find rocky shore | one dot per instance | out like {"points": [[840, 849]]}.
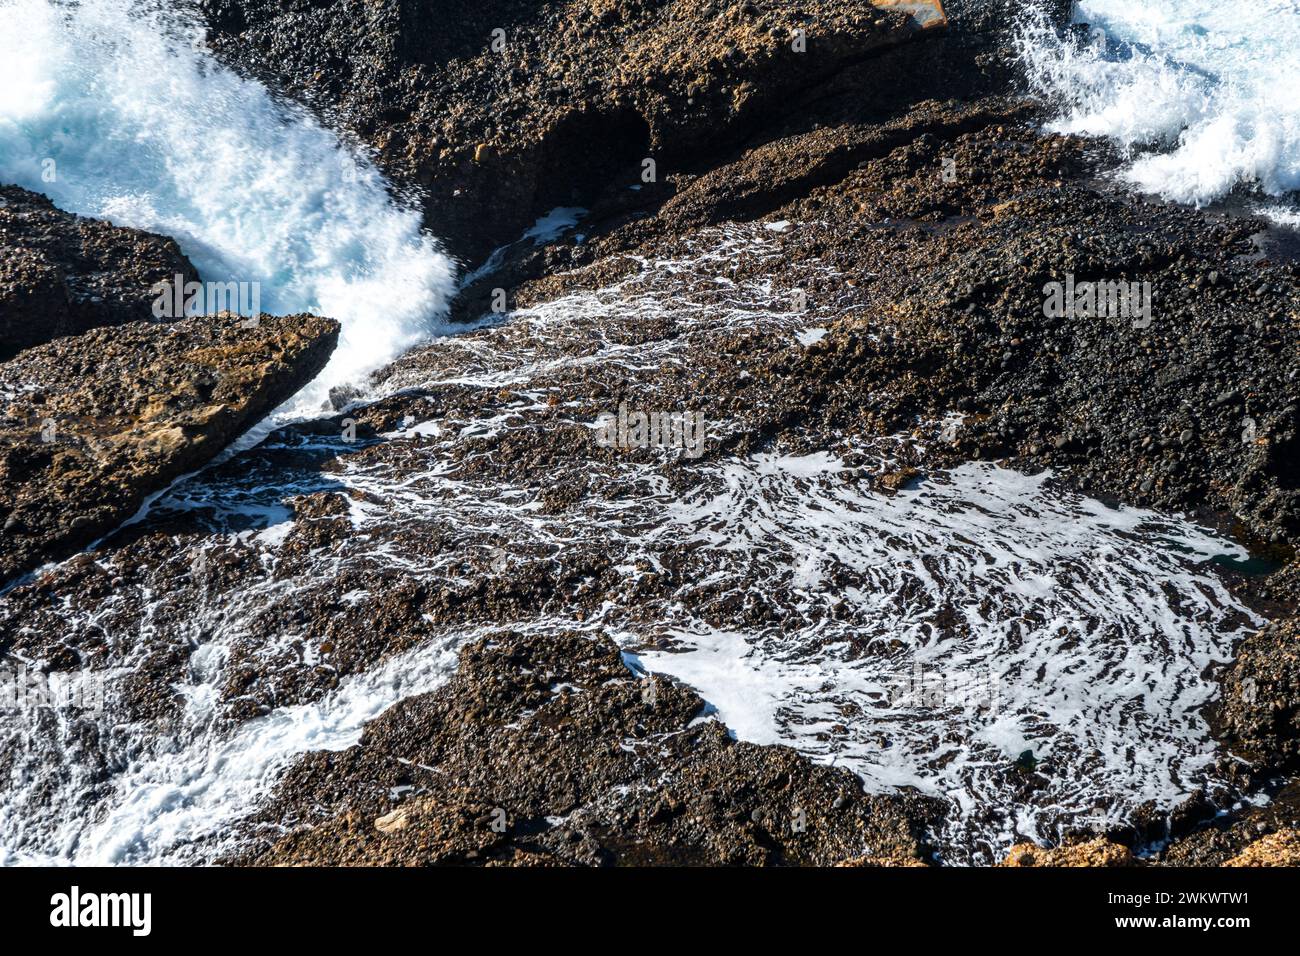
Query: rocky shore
{"points": [[95, 423], [854, 240], [62, 274], [500, 730]]}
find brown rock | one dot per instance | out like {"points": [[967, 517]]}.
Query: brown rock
{"points": [[587, 91], [90, 425], [1098, 852], [392, 822], [62, 274], [881, 861], [1276, 849], [604, 773]]}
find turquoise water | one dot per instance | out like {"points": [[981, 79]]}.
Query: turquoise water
{"points": [[114, 109]]}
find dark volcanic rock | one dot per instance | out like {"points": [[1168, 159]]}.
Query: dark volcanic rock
{"points": [[498, 128], [941, 287], [1259, 716], [546, 751], [62, 274], [93, 424], [1225, 839], [994, 19]]}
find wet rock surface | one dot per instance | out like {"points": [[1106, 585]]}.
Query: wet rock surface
{"points": [[62, 274], [541, 751], [93, 424], [931, 236], [941, 287], [1220, 840], [1259, 716], [473, 500]]}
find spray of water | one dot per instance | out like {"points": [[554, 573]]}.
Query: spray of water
{"points": [[1204, 95], [114, 109]]}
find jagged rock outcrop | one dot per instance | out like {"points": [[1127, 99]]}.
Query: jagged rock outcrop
{"points": [[62, 274], [497, 128], [91, 425]]}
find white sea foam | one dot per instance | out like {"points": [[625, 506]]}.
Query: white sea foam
{"points": [[1094, 623], [1204, 94], [175, 792], [1101, 624], [145, 129]]}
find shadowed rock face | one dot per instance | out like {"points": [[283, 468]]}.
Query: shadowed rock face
{"points": [[539, 728], [499, 128], [91, 425], [62, 274], [1241, 839]]}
